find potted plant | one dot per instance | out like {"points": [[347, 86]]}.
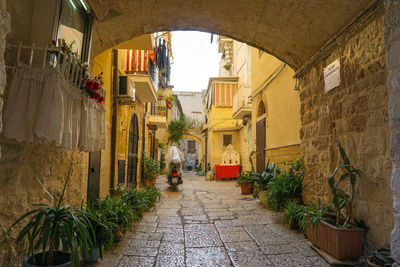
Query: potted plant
{"points": [[293, 213], [150, 170], [380, 257], [51, 225], [262, 181], [245, 181], [117, 211], [337, 233], [101, 231]]}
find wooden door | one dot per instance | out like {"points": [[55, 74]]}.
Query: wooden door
{"points": [[93, 188], [260, 145], [133, 151]]}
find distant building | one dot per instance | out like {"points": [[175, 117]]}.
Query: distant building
{"points": [[191, 106]]}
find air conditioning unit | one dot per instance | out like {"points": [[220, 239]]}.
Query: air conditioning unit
{"points": [[126, 88]]}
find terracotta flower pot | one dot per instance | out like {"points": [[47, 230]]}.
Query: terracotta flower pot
{"points": [[118, 233], [147, 182], [246, 189], [370, 262], [342, 243]]}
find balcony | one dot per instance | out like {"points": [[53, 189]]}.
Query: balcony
{"points": [[61, 96], [158, 114], [241, 103], [143, 73]]}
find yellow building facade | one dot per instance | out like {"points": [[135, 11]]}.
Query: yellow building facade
{"points": [[132, 110], [219, 129], [264, 109], [275, 101]]}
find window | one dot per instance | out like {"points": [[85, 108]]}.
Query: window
{"points": [[227, 139], [75, 25], [191, 146]]}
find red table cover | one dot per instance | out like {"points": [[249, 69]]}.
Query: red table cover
{"points": [[226, 171]]}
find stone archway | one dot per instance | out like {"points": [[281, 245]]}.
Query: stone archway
{"points": [[305, 27], [307, 49], [263, 24]]}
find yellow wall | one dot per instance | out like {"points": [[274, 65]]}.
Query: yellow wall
{"points": [[103, 63], [282, 105], [220, 117]]}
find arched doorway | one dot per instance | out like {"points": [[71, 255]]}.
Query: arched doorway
{"points": [[260, 137], [133, 151]]}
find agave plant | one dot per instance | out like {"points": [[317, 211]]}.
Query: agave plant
{"points": [[52, 225], [342, 199]]}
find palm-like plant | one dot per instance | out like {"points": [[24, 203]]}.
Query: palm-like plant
{"points": [[54, 224], [342, 199]]}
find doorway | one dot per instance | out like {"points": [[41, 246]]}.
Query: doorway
{"points": [[133, 151]]}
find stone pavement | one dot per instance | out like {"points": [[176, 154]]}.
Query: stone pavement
{"points": [[211, 224]]}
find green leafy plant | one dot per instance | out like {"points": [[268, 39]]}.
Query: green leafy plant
{"points": [[150, 168], [176, 129], [315, 213], [102, 227], [342, 199], [118, 211], [265, 177], [293, 213], [53, 224], [380, 257], [244, 178], [285, 185]]}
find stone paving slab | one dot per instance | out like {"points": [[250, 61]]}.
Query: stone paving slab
{"points": [[208, 223]]}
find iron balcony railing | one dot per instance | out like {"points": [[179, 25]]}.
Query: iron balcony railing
{"points": [[33, 56], [159, 108]]}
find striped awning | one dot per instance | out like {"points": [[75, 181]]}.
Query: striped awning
{"points": [[223, 93], [137, 60]]}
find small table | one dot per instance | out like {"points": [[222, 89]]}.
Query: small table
{"points": [[226, 171]]}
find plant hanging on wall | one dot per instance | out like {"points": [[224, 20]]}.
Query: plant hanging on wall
{"points": [[176, 129]]}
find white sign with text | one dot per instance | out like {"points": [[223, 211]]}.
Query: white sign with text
{"points": [[332, 75]]}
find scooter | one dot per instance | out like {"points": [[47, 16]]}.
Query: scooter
{"points": [[174, 160], [174, 178]]}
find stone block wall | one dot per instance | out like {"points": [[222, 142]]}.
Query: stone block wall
{"points": [[356, 113], [392, 40], [19, 189]]}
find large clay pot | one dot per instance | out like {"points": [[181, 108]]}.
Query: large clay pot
{"points": [[61, 258], [262, 195], [341, 243], [93, 256], [246, 189]]}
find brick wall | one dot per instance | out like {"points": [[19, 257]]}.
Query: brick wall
{"points": [[356, 113]]}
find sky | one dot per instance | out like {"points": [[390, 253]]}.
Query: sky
{"points": [[195, 60]]}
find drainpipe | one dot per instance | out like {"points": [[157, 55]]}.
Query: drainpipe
{"points": [[143, 142], [114, 112]]}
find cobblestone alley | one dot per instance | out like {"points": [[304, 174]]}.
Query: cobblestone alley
{"points": [[211, 224]]}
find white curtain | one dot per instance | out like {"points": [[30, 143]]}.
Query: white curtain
{"points": [[44, 108]]}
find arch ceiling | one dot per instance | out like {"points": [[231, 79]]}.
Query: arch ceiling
{"points": [[291, 30]]}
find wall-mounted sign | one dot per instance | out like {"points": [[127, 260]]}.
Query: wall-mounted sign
{"points": [[332, 75]]}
